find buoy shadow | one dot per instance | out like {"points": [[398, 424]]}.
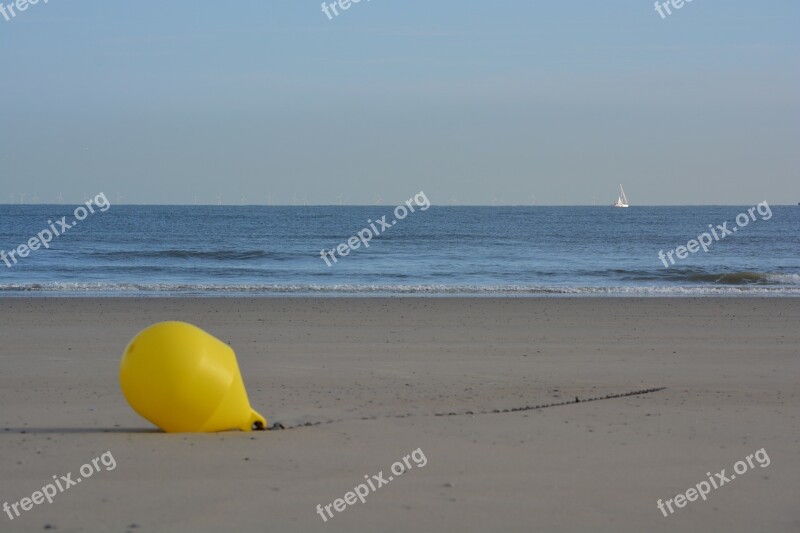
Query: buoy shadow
{"points": [[63, 430]]}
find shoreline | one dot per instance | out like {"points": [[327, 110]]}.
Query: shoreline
{"points": [[644, 294]]}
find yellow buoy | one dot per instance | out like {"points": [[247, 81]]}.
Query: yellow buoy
{"points": [[183, 379]]}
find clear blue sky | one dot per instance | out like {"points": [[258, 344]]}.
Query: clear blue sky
{"points": [[471, 101]]}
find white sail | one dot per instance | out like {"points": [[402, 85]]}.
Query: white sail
{"points": [[622, 200]]}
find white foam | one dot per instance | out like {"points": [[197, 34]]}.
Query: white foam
{"points": [[785, 279], [165, 289]]}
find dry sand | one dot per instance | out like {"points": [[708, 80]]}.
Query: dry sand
{"points": [[731, 368]]}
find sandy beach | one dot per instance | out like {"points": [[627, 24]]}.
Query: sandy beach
{"points": [[371, 375]]}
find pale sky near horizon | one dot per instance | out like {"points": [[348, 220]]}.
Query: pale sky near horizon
{"points": [[515, 101]]}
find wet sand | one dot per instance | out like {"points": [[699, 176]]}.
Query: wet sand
{"points": [[371, 375]]}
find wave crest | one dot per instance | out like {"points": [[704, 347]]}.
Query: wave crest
{"points": [[746, 278]]}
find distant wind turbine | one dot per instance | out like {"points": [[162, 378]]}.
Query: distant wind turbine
{"points": [[219, 199], [22, 197], [60, 198], [35, 198], [119, 198]]}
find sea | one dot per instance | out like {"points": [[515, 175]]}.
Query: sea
{"points": [[144, 250]]}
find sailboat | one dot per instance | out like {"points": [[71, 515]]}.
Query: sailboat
{"points": [[622, 200]]}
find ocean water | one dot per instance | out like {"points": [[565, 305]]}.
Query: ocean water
{"points": [[525, 251]]}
